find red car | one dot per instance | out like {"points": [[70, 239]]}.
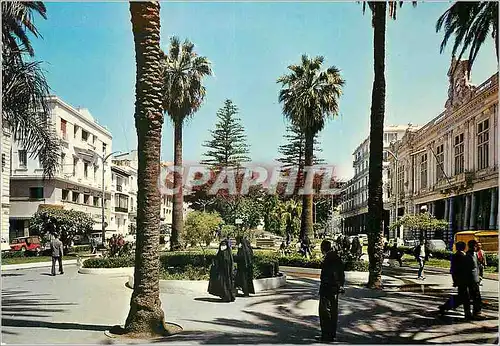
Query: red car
{"points": [[26, 244]]}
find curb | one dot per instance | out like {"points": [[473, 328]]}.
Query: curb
{"points": [[124, 271], [489, 276], [34, 265], [180, 286]]}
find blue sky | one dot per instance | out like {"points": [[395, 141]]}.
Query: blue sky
{"points": [[89, 55]]}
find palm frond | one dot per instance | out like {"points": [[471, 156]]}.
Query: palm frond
{"points": [[25, 110]]}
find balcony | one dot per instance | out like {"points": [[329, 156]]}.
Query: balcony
{"points": [[121, 210]]}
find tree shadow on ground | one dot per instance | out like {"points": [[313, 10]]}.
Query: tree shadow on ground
{"points": [[366, 317], [17, 303], [210, 300]]}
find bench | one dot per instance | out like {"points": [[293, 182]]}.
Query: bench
{"points": [[265, 243]]}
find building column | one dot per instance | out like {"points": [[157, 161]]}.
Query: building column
{"points": [[467, 212], [493, 208], [472, 224], [451, 221], [446, 209]]}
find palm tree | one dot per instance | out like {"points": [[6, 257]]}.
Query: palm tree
{"points": [[17, 17], [25, 110], [471, 23], [377, 114], [291, 210], [309, 96], [146, 316], [183, 93]]}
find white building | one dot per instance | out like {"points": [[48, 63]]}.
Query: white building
{"points": [[124, 193], [354, 207], [78, 181], [450, 165], [5, 185]]}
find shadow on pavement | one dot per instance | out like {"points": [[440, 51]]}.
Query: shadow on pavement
{"points": [[6, 275], [210, 300]]}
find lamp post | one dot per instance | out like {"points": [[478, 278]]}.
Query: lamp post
{"points": [[104, 159], [396, 187]]}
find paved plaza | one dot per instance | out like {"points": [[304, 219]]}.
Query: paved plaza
{"points": [[76, 308]]}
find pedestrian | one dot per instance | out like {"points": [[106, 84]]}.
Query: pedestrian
{"points": [[421, 255], [474, 291], [461, 274], [395, 255], [244, 265], [56, 247], [331, 285], [481, 258], [221, 283], [356, 249]]}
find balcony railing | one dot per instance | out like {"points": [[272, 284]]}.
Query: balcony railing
{"points": [[121, 210]]}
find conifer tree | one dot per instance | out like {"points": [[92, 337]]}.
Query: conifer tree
{"points": [[293, 151], [228, 147]]}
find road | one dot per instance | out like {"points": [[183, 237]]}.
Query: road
{"points": [[77, 308]]}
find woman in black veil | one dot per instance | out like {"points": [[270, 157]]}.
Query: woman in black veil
{"points": [[244, 271], [221, 282]]}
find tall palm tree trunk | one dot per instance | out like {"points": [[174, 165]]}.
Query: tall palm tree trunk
{"points": [[375, 201], [306, 225], [146, 315], [178, 200]]}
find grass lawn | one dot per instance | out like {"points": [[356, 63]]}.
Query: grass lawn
{"points": [[439, 263], [33, 259]]}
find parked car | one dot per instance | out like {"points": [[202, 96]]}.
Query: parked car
{"points": [[436, 244], [31, 243]]}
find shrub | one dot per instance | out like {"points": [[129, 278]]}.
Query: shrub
{"points": [[188, 272], [492, 260], [13, 254], [110, 262], [80, 248]]}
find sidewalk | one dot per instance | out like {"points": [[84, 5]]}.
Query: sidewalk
{"points": [[77, 309], [46, 264]]}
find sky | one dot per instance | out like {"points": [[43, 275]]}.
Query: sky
{"points": [[89, 59]]}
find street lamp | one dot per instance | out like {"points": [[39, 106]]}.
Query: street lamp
{"points": [[396, 187], [104, 159]]}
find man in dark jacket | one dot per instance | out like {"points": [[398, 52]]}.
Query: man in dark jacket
{"points": [[56, 246], [460, 273], [332, 284], [474, 279]]}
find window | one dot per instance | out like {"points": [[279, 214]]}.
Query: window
{"points": [[75, 131], [439, 162], [75, 164], [63, 129], [483, 139], [85, 169], [423, 171], [65, 194], [93, 139], [63, 158], [3, 162], [23, 158], [36, 192], [459, 154], [401, 178], [95, 172], [104, 147], [121, 203], [85, 135], [86, 199], [96, 201], [76, 197]]}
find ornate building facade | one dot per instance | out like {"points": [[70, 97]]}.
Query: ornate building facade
{"points": [[450, 165]]}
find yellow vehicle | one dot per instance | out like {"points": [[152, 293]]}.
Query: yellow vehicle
{"points": [[488, 239]]}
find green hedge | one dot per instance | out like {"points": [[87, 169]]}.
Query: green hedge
{"points": [[266, 263], [13, 254]]}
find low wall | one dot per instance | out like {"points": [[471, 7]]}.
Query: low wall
{"points": [[182, 286], [117, 272]]}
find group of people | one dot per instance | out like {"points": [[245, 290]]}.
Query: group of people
{"points": [[223, 281], [466, 272]]}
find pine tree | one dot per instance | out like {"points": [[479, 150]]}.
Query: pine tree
{"points": [[228, 147], [293, 151]]}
